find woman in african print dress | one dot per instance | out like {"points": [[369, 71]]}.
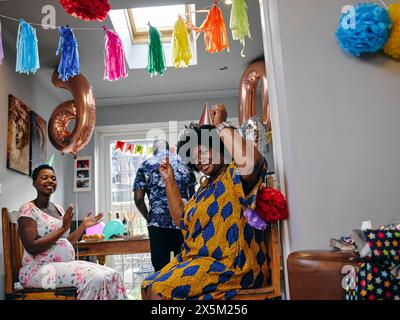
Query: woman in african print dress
{"points": [[222, 253]]}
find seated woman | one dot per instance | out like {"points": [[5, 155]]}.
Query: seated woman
{"points": [[222, 253], [49, 256]]}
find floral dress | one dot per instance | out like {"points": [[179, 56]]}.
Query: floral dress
{"points": [[57, 267], [222, 253]]}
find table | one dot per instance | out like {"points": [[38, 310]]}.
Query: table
{"points": [[101, 249]]}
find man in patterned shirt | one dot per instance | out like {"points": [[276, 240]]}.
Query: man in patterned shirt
{"points": [[164, 235]]}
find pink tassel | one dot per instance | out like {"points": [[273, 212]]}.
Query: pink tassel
{"points": [[114, 57]]}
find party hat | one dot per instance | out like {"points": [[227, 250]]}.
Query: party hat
{"points": [[205, 117], [50, 161]]}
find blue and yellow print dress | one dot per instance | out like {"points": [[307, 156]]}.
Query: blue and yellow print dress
{"points": [[221, 253]]}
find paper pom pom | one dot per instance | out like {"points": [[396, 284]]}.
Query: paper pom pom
{"points": [[255, 220], [181, 51], [88, 10], [114, 57], [370, 30], [392, 47], [69, 64], [27, 49], [271, 205], [156, 56]]}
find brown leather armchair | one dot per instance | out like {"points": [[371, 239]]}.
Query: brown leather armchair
{"points": [[317, 274]]}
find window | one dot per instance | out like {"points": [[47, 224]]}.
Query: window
{"points": [[163, 18]]}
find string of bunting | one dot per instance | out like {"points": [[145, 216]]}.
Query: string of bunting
{"points": [[130, 148], [213, 27]]}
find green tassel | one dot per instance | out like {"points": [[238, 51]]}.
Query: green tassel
{"points": [[239, 23], [156, 57]]}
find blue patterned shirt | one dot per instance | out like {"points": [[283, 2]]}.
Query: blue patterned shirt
{"points": [[148, 179]]}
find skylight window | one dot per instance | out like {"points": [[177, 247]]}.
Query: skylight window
{"points": [[163, 18]]}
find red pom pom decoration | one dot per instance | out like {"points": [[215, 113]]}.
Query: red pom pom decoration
{"points": [[271, 205], [88, 10]]}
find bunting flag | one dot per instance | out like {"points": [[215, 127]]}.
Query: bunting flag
{"points": [[138, 149], [119, 145], [1, 47], [129, 148], [27, 49], [149, 151], [214, 28]]}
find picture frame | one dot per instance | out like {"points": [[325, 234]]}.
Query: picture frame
{"points": [[38, 141], [18, 137], [83, 174]]}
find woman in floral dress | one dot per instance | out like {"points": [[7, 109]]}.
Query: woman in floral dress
{"points": [[222, 253], [49, 256]]}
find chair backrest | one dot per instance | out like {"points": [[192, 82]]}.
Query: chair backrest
{"points": [[12, 250]]}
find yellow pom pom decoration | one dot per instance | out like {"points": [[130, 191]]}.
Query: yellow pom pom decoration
{"points": [[392, 47], [181, 51]]}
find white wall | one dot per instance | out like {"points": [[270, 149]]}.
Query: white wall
{"points": [[339, 124], [17, 188]]}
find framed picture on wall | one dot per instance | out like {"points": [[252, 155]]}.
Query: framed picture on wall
{"points": [[18, 138], [38, 141], [83, 174]]}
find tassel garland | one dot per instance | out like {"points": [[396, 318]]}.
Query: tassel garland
{"points": [[156, 56], [27, 49], [214, 28], [114, 57], [239, 23], [1, 47], [181, 50], [69, 63]]}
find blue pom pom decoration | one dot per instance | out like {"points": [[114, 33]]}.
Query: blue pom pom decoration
{"points": [[69, 64], [27, 49], [366, 32]]}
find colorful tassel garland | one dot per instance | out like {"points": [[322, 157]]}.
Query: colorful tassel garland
{"points": [[181, 50], [1, 47], [156, 57], [69, 62], [214, 28], [27, 49], [392, 47], [239, 23], [114, 57]]}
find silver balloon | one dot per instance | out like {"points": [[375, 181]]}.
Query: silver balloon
{"points": [[254, 130]]}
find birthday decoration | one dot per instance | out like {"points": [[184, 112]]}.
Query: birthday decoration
{"points": [[114, 57], [125, 147], [68, 46], [156, 56], [239, 23], [88, 10], [368, 33], [181, 50], [271, 205], [82, 109], [27, 49], [1, 47], [214, 28], [392, 47]]}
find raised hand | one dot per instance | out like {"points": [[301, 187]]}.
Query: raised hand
{"points": [[67, 219], [166, 170], [218, 114], [90, 220]]}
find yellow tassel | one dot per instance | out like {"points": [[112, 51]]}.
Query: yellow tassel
{"points": [[181, 51], [392, 47]]}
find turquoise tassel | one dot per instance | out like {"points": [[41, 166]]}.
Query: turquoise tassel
{"points": [[27, 49], [69, 64]]}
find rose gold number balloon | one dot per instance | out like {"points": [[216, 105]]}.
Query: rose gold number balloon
{"points": [[82, 109], [248, 91]]}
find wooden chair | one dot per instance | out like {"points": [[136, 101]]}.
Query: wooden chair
{"points": [[273, 288], [13, 250]]}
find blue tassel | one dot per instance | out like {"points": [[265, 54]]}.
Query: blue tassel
{"points": [[27, 49], [69, 63]]}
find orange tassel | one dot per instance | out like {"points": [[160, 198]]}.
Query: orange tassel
{"points": [[214, 28]]}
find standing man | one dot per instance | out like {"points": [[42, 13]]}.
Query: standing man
{"points": [[164, 235]]}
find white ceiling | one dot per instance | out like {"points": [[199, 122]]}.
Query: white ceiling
{"points": [[202, 81]]}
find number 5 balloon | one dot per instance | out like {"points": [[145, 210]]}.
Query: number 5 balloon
{"points": [[82, 109]]}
